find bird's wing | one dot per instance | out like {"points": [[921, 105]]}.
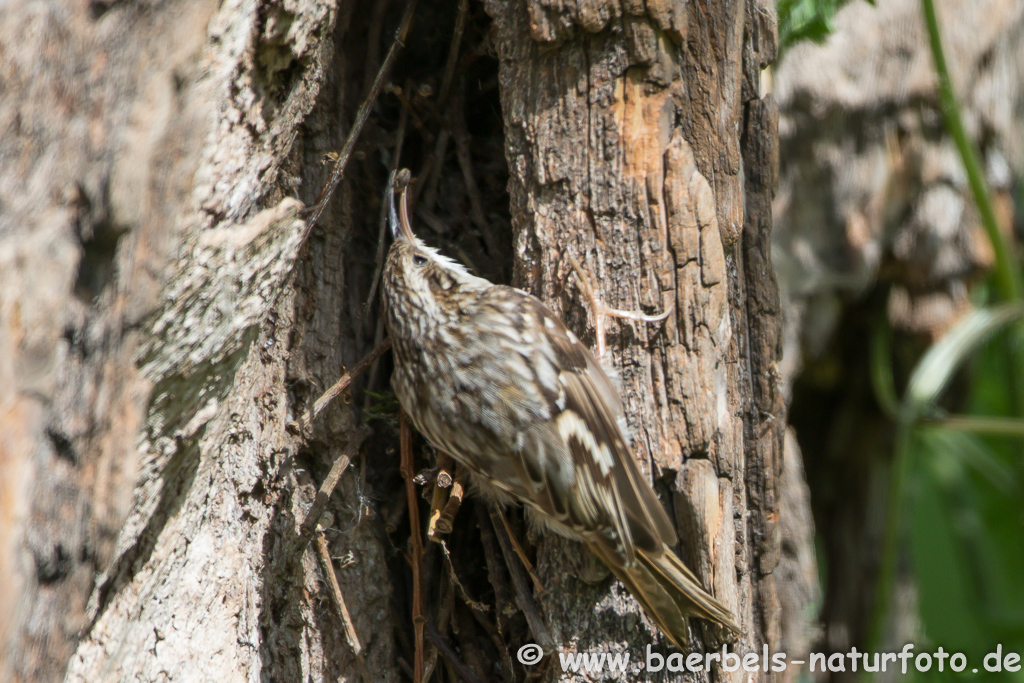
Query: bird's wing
{"points": [[578, 461]]}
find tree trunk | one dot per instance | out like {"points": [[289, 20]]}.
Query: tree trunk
{"points": [[628, 131], [156, 145], [164, 321]]}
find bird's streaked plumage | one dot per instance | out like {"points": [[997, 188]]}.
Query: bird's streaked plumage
{"points": [[489, 375]]}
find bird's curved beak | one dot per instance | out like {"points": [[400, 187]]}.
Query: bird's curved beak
{"points": [[398, 219]]}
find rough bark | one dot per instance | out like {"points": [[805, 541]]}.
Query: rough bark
{"points": [[161, 323], [157, 324], [635, 137]]}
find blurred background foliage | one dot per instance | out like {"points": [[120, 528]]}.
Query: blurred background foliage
{"points": [[806, 20], [956, 485]]}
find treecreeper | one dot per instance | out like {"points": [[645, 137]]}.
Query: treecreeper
{"points": [[489, 375]]}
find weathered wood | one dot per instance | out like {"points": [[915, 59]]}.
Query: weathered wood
{"points": [[147, 398], [635, 140], [155, 477]]}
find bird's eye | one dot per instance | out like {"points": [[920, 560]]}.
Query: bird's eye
{"points": [[418, 260]]}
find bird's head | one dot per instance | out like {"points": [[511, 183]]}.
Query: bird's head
{"points": [[418, 280]]}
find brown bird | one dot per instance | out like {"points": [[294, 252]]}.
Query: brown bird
{"points": [[491, 376]]}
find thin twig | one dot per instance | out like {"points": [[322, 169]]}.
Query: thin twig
{"points": [[403, 121], [497, 572], [378, 338], [395, 515], [449, 655], [303, 423], [445, 602], [361, 116], [601, 310], [316, 510], [323, 554], [499, 644], [439, 496], [373, 43], [453, 53], [406, 99], [445, 523], [524, 598], [404, 666], [468, 647], [418, 616], [460, 133], [520, 553], [430, 172], [462, 153], [453, 578]]}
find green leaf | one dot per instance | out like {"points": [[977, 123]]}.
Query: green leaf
{"points": [[965, 541], [806, 20], [934, 370]]}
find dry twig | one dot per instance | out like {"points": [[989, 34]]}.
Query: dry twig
{"points": [[395, 514], [449, 655], [499, 644], [323, 554], [446, 520], [361, 116], [430, 172], [439, 496], [418, 616], [462, 137], [403, 121], [469, 643], [376, 27], [497, 573], [510, 538], [327, 488], [453, 53], [601, 310], [453, 579], [524, 598], [303, 423]]}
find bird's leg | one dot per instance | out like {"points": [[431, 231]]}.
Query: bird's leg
{"points": [[601, 310]]}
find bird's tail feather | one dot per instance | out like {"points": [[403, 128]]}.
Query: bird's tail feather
{"points": [[669, 593]]}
